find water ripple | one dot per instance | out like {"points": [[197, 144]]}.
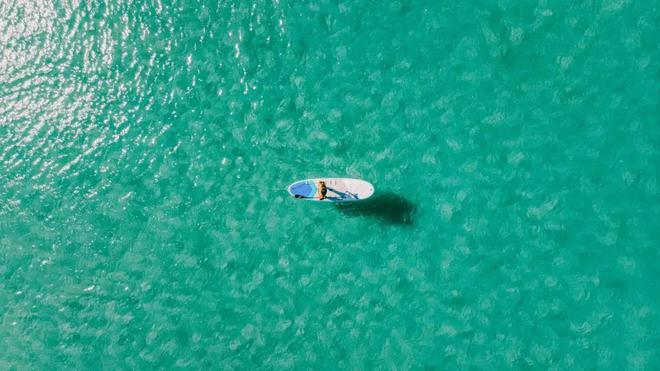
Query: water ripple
{"points": [[145, 148]]}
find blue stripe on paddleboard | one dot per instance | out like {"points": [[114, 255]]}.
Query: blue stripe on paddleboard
{"points": [[304, 189]]}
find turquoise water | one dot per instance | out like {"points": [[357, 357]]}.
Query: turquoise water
{"points": [[145, 148]]}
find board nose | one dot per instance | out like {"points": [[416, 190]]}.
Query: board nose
{"points": [[302, 189]]}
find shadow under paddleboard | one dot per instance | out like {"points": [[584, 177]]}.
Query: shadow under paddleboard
{"points": [[388, 207]]}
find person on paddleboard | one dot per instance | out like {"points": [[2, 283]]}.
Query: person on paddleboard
{"points": [[331, 189], [322, 190]]}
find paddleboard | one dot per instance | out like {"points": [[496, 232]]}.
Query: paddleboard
{"points": [[338, 189]]}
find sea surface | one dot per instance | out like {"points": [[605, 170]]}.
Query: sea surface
{"points": [[145, 149]]}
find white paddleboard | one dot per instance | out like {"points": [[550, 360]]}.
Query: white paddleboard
{"points": [[338, 189]]}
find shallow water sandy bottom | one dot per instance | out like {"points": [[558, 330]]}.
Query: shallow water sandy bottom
{"points": [[145, 149]]}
